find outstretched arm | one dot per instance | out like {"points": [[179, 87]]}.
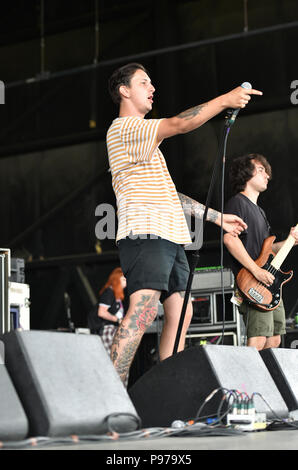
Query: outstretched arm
{"points": [[194, 117], [231, 223]]}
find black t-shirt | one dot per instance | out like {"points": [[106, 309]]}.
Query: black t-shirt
{"points": [[258, 227], [108, 298], [95, 322]]}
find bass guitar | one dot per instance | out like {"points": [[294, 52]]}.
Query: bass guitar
{"points": [[264, 297]]}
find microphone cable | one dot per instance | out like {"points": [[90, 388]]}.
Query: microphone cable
{"points": [[230, 119], [227, 130]]}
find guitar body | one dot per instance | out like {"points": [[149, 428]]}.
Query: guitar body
{"points": [[263, 297]]}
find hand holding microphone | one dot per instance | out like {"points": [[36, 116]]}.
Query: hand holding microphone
{"points": [[238, 98]]}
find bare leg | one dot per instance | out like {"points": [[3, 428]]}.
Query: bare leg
{"points": [[261, 342], [172, 307], [143, 306], [257, 342], [272, 342]]}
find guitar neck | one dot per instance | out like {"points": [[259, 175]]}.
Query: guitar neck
{"points": [[283, 252]]}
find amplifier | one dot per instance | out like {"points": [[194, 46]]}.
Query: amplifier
{"points": [[4, 303], [19, 305], [17, 270], [200, 339], [212, 278], [208, 308]]}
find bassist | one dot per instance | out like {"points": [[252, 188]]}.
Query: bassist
{"points": [[249, 176]]}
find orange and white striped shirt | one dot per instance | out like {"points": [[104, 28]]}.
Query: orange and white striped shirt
{"points": [[147, 200]]}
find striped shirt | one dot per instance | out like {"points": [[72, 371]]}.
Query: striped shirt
{"points": [[147, 200]]}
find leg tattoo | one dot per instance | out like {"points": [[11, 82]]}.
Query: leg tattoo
{"points": [[130, 332]]}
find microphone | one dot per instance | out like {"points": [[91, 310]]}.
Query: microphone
{"points": [[68, 311], [232, 114], [66, 300]]}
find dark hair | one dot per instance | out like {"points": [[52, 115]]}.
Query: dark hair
{"points": [[122, 76], [242, 168]]}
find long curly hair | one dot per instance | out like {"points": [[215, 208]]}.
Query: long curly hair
{"points": [[242, 169], [115, 283]]}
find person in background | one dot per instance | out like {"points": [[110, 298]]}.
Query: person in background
{"points": [[107, 314], [249, 177]]}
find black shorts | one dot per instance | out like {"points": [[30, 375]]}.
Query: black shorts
{"points": [[153, 263]]}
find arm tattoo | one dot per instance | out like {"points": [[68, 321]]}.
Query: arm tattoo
{"points": [[212, 215], [191, 207], [192, 112], [196, 209]]}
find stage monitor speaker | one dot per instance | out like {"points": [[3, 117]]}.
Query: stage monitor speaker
{"points": [[282, 365], [290, 339], [176, 388], [67, 384], [13, 420]]}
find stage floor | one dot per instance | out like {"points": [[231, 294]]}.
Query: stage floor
{"points": [[145, 448]]}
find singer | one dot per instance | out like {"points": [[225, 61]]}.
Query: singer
{"points": [[152, 228]]}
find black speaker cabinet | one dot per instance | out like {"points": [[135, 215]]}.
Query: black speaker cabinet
{"points": [[67, 384], [177, 387], [282, 364]]}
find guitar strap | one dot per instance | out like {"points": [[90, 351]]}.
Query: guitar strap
{"points": [[265, 218]]}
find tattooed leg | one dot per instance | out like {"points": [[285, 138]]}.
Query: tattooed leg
{"points": [[172, 308], [141, 313]]}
